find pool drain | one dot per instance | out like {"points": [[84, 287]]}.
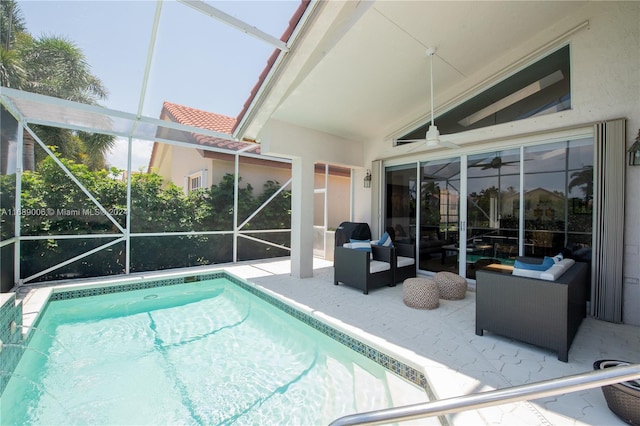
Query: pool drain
{"points": [[151, 296]]}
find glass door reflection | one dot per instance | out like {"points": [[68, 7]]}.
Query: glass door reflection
{"points": [[400, 209], [439, 215], [493, 209]]}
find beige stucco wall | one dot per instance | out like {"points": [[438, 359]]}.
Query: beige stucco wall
{"points": [[253, 174], [176, 162], [338, 194], [162, 160]]}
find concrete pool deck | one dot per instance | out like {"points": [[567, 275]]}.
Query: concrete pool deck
{"points": [[461, 362], [457, 362]]}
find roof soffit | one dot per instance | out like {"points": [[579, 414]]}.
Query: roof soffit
{"points": [[374, 79]]}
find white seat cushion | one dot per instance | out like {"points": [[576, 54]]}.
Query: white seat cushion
{"points": [[550, 274], [529, 273], [405, 261], [557, 270], [378, 266]]}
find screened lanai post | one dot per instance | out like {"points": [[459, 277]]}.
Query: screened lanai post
{"points": [[236, 191], [302, 173], [127, 226], [18, 205], [608, 219]]}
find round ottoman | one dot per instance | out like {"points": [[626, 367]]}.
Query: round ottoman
{"points": [[452, 286], [420, 293]]}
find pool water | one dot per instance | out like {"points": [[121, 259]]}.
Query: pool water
{"points": [[199, 353]]}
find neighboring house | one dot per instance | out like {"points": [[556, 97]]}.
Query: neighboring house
{"points": [[193, 168], [539, 204]]}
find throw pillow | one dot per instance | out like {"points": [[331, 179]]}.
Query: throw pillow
{"points": [[364, 245], [547, 263], [385, 240]]}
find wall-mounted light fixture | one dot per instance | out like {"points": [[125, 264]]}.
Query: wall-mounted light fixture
{"points": [[634, 152], [367, 179]]}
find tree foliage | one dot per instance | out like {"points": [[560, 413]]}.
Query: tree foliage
{"points": [[55, 66], [52, 204]]}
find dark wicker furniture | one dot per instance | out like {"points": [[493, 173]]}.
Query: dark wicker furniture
{"points": [[543, 313], [622, 398], [408, 271], [352, 267]]}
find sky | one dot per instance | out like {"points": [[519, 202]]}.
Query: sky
{"points": [[198, 61]]}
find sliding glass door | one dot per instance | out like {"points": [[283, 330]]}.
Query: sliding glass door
{"points": [[558, 188], [439, 215], [491, 207], [401, 198]]}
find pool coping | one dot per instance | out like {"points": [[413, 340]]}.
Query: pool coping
{"points": [[398, 360]]}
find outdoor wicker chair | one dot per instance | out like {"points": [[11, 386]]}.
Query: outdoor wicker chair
{"points": [[357, 267], [405, 264]]}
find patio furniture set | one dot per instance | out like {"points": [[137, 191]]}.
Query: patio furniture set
{"points": [[543, 307], [365, 264]]}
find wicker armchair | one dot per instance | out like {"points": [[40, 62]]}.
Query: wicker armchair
{"points": [[405, 262], [361, 269], [364, 270]]}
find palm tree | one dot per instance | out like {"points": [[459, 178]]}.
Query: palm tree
{"points": [[57, 67], [11, 21], [12, 73], [583, 179], [53, 66]]}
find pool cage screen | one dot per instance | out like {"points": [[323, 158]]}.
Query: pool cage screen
{"points": [[60, 219]]}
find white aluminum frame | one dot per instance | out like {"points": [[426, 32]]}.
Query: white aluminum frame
{"points": [[20, 104]]}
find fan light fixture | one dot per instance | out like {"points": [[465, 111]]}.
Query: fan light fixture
{"points": [[432, 138], [433, 135]]}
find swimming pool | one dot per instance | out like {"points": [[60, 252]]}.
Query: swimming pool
{"points": [[206, 351]]}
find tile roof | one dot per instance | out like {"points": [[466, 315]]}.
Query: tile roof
{"points": [[199, 118], [210, 121]]}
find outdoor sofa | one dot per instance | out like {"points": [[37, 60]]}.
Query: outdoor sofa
{"points": [[537, 311]]}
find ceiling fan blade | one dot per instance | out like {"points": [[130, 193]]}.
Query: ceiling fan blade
{"points": [[448, 144], [411, 140], [420, 144]]}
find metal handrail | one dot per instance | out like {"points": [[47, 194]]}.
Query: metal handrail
{"points": [[536, 390]]}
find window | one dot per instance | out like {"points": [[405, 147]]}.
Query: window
{"points": [[196, 181], [541, 88]]}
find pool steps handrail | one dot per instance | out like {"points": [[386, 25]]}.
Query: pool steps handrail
{"points": [[524, 392]]}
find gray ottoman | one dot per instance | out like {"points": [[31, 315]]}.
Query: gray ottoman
{"points": [[452, 286], [420, 293]]}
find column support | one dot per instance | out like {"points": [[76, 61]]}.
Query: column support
{"points": [[302, 173]]}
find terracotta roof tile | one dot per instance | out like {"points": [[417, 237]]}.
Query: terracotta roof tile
{"points": [[199, 118], [210, 121]]}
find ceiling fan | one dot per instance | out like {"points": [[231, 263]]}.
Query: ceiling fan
{"points": [[495, 163], [432, 137]]}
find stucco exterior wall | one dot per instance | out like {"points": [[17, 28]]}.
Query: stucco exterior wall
{"points": [[176, 162], [186, 161], [253, 174], [338, 194], [162, 163]]}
